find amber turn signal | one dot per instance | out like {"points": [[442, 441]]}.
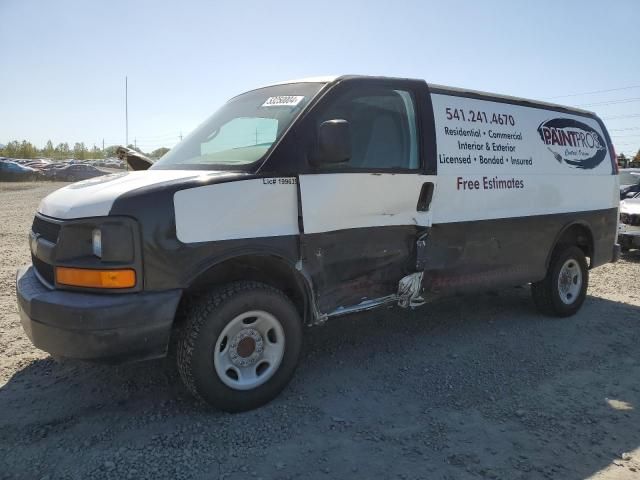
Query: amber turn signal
{"points": [[85, 277]]}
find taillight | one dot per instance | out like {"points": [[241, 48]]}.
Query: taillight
{"points": [[614, 159]]}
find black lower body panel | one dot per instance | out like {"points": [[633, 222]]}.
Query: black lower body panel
{"points": [[485, 254], [113, 328], [352, 265]]}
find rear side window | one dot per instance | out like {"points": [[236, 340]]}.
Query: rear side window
{"points": [[383, 127]]}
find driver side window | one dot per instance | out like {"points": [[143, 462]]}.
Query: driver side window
{"points": [[383, 129]]}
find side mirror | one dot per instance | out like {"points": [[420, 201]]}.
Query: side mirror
{"points": [[334, 141]]}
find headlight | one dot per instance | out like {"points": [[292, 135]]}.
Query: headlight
{"points": [[96, 242], [109, 239], [99, 253]]}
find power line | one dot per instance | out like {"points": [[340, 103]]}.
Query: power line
{"points": [[623, 129], [595, 91], [610, 102], [165, 135], [615, 117]]}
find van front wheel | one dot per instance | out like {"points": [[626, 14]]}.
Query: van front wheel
{"points": [[562, 292], [240, 346]]}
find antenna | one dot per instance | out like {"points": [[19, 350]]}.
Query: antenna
{"points": [[126, 110]]}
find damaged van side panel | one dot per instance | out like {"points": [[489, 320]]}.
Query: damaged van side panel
{"points": [[353, 265], [360, 232]]}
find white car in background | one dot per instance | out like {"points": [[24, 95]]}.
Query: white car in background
{"points": [[629, 182], [629, 225]]}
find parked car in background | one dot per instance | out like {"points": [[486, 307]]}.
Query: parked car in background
{"points": [[114, 164], [629, 225], [49, 171], [12, 171], [629, 182], [37, 164], [76, 172]]}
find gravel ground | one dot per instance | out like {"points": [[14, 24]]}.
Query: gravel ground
{"points": [[471, 387]]}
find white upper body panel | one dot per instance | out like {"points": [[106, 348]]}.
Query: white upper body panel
{"points": [[501, 160], [253, 208]]}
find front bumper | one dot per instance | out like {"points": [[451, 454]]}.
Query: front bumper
{"points": [[108, 327]]}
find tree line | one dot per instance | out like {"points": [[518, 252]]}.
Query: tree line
{"points": [[80, 151], [626, 162], [63, 151]]}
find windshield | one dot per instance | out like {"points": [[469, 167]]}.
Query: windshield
{"points": [[242, 131]]}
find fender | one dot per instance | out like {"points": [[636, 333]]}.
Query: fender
{"points": [[565, 229], [294, 270]]}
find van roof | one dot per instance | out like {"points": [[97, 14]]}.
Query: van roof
{"points": [[466, 92], [443, 89]]}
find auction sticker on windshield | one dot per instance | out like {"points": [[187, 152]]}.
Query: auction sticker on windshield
{"points": [[283, 101]]}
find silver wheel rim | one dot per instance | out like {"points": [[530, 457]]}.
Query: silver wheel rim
{"points": [[570, 281], [249, 350]]}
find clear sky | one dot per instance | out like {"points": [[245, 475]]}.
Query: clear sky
{"points": [[64, 61]]}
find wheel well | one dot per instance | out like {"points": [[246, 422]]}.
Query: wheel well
{"points": [[579, 235], [267, 269]]}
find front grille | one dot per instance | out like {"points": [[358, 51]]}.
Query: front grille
{"points": [[46, 229], [44, 269], [49, 231], [628, 219]]}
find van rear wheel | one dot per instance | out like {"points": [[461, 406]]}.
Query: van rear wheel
{"points": [[240, 346], [562, 292]]}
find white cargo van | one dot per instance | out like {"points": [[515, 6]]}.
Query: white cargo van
{"points": [[303, 201]]}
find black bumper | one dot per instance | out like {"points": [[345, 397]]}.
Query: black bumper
{"points": [[629, 240], [107, 327]]}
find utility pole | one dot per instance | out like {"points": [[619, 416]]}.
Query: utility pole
{"points": [[126, 110], [180, 135], [135, 143], [103, 144]]}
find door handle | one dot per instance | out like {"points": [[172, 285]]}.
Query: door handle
{"points": [[426, 194]]}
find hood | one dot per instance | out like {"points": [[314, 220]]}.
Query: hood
{"points": [[630, 206], [95, 197]]}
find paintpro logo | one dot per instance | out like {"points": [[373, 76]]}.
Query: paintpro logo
{"points": [[573, 142]]}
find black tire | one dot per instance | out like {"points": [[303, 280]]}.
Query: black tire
{"points": [[546, 293], [207, 318]]}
